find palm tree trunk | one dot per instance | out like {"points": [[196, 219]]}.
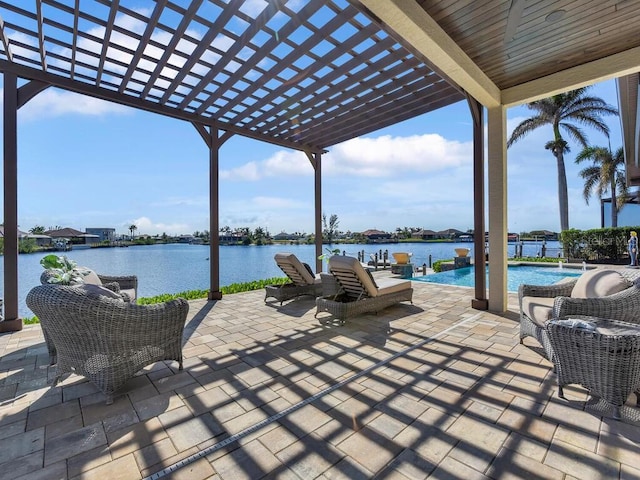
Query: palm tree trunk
{"points": [[563, 198], [614, 203]]}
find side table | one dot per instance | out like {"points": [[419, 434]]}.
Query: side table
{"points": [[606, 361], [330, 284]]}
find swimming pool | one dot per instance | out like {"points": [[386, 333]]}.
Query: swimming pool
{"points": [[516, 275]]}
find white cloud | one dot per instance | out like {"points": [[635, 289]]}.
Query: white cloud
{"points": [[382, 156], [147, 226], [386, 155], [54, 103]]}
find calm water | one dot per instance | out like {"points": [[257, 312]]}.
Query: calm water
{"points": [[516, 275], [178, 267]]}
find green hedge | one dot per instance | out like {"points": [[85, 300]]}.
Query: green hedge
{"points": [[596, 244]]}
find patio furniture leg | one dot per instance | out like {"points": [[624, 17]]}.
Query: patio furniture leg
{"points": [[560, 392]]}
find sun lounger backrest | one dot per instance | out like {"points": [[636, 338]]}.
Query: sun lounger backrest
{"points": [[353, 278], [294, 269]]}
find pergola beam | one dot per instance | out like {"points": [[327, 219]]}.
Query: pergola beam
{"points": [[127, 100], [5, 41]]}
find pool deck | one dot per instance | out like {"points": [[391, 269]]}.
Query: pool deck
{"points": [[432, 389]]}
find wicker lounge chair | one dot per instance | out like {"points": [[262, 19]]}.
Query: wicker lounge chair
{"points": [[359, 292], [604, 359], [601, 293], [303, 281], [124, 285], [104, 338]]}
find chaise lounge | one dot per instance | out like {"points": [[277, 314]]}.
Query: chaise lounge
{"points": [[359, 293], [302, 279]]}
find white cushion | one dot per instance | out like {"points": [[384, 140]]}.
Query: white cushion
{"points": [[599, 283]]}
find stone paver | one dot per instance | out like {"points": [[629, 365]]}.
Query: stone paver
{"points": [[469, 402]]}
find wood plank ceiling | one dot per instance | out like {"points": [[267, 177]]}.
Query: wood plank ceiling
{"points": [[306, 75]]}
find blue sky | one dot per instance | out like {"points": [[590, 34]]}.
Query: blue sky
{"points": [[88, 163]]}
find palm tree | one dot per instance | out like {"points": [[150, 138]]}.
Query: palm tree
{"points": [[606, 174], [565, 112], [132, 229]]}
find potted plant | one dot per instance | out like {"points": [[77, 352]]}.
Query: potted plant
{"points": [[62, 270]]}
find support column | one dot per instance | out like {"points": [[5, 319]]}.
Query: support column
{"points": [[497, 169], [318, 209], [12, 322], [214, 214], [316, 162], [480, 301]]}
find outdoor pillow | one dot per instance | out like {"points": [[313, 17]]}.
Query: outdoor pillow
{"points": [[94, 291], [92, 278], [599, 283]]}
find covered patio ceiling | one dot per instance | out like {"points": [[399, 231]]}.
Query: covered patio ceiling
{"points": [[311, 74]]}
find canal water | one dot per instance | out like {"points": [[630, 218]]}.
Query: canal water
{"points": [[174, 268]]}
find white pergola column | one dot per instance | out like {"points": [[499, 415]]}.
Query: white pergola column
{"points": [[497, 206]]}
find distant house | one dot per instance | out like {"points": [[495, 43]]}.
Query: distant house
{"points": [[282, 236], [544, 235], [75, 237], [103, 233], [41, 240], [449, 233], [187, 238], [425, 234], [376, 236]]}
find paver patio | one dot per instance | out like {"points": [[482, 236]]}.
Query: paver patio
{"points": [[429, 390]]}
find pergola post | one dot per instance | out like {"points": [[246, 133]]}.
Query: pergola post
{"points": [[214, 141], [11, 322], [497, 170], [480, 301], [316, 162], [214, 214]]}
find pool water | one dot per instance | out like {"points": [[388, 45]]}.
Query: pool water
{"points": [[516, 275]]}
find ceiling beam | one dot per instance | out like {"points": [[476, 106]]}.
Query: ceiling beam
{"points": [[408, 20], [607, 68]]}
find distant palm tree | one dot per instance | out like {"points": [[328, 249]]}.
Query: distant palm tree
{"points": [[606, 174], [132, 229], [37, 230], [564, 112]]}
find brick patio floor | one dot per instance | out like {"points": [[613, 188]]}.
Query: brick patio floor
{"points": [[439, 390]]}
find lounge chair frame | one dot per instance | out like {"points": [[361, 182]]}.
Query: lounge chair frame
{"points": [[353, 298], [302, 281]]}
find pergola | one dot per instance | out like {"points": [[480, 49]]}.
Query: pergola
{"points": [[308, 75]]}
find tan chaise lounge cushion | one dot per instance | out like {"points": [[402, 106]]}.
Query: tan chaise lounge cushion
{"points": [[295, 269], [373, 288]]}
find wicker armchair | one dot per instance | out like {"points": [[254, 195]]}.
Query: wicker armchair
{"points": [[605, 361], [539, 304], [100, 336]]}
